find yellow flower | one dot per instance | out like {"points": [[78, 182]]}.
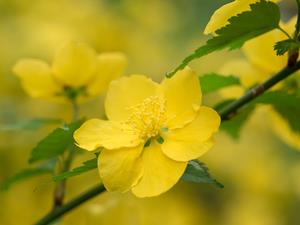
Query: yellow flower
{"points": [[152, 132], [76, 69], [220, 17]]}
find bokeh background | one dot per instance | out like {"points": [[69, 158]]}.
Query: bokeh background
{"points": [[261, 174]]}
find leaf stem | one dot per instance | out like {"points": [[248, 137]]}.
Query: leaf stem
{"points": [[60, 188], [283, 31], [75, 109]]}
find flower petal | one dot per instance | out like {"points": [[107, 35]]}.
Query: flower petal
{"points": [[160, 173], [193, 140], [183, 96], [248, 73], [127, 92], [260, 51], [75, 64], [186, 151], [220, 17], [120, 169], [283, 129], [36, 78], [110, 66], [97, 133]]}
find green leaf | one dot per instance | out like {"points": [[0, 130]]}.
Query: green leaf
{"points": [[55, 143], [287, 105], [234, 126], [87, 166], [29, 124], [46, 168], [282, 47], [263, 17], [198, 172], [213, 82]]}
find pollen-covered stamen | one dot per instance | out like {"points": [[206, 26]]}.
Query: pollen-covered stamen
{"points": [[148, 117]]}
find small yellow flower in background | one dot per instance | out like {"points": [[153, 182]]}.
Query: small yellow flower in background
{"points": [[76, 67], [220, 17], [152, 132], [262, 62]]}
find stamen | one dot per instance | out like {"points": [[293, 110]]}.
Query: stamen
{"points": [[148, 117]]}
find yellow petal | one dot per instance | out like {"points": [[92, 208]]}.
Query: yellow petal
{"points": [[110, 66], [248, 73], [120, 169], [75, 64], [160, 173], [127, 92], [36, 78], [97, 133], [183, 97], [283, 130], [185, 151], [260, 51], [220, 17], [193, 140]]}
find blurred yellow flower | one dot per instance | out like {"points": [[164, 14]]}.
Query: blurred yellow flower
{"points": [[152, 132], [260, 63], [220, 17], [76, 68]]}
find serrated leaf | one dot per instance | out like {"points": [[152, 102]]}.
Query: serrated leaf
{"points": [[284, 46], [198, 172], [287, 105], [87, 166], [213, 82], [29, 124], [263, 17], [55, 143], [46, 168]]}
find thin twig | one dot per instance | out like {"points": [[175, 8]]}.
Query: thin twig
{"points": [[60, 188], [284, 32]]}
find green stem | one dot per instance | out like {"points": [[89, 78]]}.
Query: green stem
{"points": [[60, 188], [58, 212], [75, 109], [283, 31]]}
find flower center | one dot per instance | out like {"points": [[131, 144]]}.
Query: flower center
{"points": [[148, 117]]}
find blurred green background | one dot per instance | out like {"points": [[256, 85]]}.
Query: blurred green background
{"points": [[260, 173]]}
